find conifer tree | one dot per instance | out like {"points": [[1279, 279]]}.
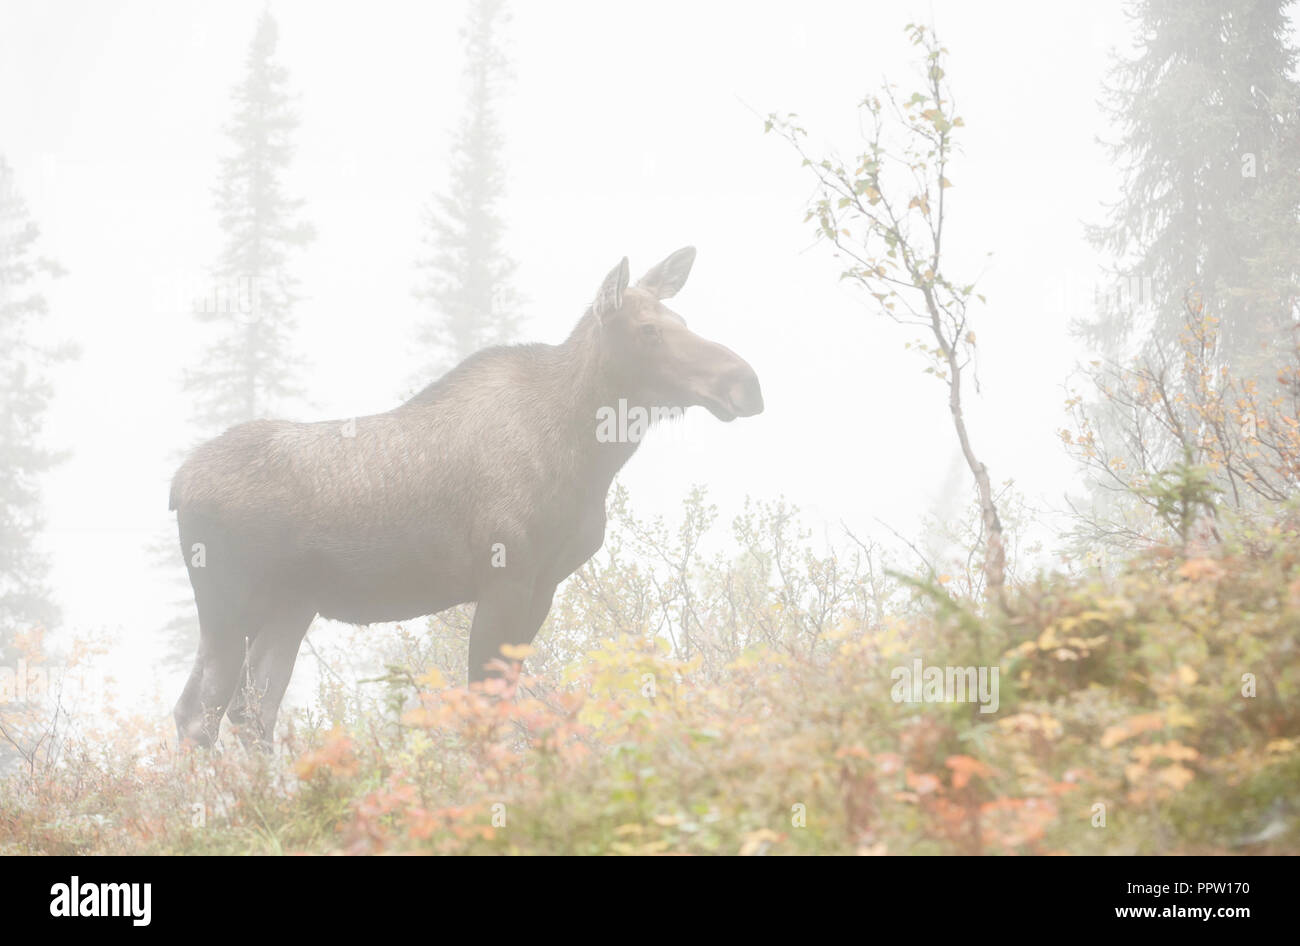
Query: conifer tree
{"points": [[1209, 115], [248, 365], [467, 273], [247, 370], [25, 393], [1204, 246]]}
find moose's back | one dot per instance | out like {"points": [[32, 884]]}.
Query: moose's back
{"points": [[387, 516]]}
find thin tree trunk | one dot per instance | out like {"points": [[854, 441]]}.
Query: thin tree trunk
{"points": [[994, 548]]}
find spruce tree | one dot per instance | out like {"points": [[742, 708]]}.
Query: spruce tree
{"points": [[1204, 246], [1209, 117], [467, 273], [25, 394], [248, 368], [248, 365]]}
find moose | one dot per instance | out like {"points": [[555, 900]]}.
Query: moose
{"points": [[487, 486]]}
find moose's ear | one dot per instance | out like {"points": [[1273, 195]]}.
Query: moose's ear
{"points": [[667, 278], [609, 299]]}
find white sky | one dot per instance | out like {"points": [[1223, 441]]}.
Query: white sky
{"points": [[629, 132]]}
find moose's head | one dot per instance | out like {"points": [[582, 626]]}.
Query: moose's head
{"points": [[656, 359]]}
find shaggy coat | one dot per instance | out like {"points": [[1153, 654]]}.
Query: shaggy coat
{"points": [[487, 486]]}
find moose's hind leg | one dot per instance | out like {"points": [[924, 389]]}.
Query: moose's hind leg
{"points": [[202, 704], [226, 620], [265, 674]]}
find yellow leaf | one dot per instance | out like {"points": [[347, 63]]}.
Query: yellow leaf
{"points": [[1177, 776], [1201, 569], [432, 678], [1180, 752], [1136, 725], [755, 840]]}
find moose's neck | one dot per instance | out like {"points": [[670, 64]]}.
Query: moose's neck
{"points": [[592, 389]]}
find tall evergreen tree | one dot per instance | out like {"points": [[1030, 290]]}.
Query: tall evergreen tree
{"points": [[25, 393], [467, 274], [1209, 112], [248, 365], [248, 370], [1207, 228]]}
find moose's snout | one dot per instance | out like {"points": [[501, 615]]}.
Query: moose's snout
{"points": [[745, 395], [734, 391]]}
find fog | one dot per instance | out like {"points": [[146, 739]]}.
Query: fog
{"points": [[633, 130], [624, 135]]}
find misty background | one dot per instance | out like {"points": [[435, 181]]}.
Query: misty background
{"points": [[625, 130]]}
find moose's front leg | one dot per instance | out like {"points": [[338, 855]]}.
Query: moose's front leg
{"points": [[510, 610]]}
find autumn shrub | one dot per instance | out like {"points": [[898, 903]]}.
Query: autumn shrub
{"points": [[1152, 710], [1179, 436]]}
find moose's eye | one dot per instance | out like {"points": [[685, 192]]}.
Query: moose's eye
{"points": [[650, 332]]}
